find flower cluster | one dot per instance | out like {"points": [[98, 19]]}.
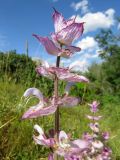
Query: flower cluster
{"points": [[62, 146], [60, 45], [98, 139], [91, 147]]}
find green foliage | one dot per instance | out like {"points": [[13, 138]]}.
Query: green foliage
{"points": [[19, 68], [105, 77], [110, 52]]}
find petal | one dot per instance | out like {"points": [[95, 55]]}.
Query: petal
{"points": [[71, 77], [107, 151], [72, 32], [41, 139], [94, 127], [82, 144], [44, 141], [69, 51], [48, 44], [73, 49], [63, 139], [41, 135], [97, 144], [44, 72], [66, 53], [59, 21], [60, 151], [96, 118], [54, 39], [94, 106], [33, 92], [62, 135], [78, 146], [88, 137], [64, 74], [106, 135], [36, 111], [69, 101], [70, 21], [56, 70], [38, 129]]}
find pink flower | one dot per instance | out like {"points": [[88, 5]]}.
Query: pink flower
{"points": [[94, 127], [96, 118], [88, 137], [106, 153], [66, 31], [41, 139], [52, 49], [60, 22], [97, 144], [46, 107], [106, 135], [94, 106], [66, 100], [43, 108], [61, 145], [69, 101], [61, 73]]}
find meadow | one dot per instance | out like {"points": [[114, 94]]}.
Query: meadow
{"points": [[16, 135]]}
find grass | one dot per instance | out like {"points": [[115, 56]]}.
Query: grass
{"points": [[16, 135]]}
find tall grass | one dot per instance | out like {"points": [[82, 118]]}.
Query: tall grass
{"points": [[16, 141]]}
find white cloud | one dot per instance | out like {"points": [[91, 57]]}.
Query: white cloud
{"points": [[88, 54], [87, 43], [82, 61], [98, 20], [89, 46], [79, 65], [83, 5]]}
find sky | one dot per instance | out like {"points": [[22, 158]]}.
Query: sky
{"points": [[19, 19]]}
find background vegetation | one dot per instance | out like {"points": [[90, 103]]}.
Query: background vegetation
{"points": [[17, 73]]}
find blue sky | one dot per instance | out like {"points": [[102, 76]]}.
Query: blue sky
{"points": [[19, 19]]}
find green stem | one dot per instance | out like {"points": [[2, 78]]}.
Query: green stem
{"points": [[7, 122]]}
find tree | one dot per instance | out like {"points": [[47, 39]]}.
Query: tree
{"points": [[110, 53]]}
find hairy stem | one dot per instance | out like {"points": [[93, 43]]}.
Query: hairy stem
{"points": [[56, 97]]}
